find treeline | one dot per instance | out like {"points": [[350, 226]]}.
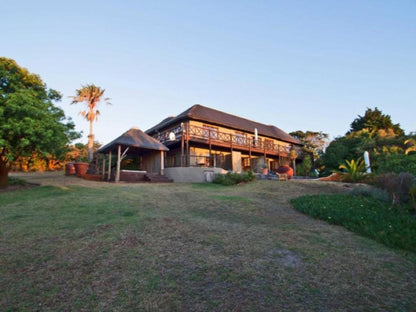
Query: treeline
{"points": [[389, 148], [48, 162]]}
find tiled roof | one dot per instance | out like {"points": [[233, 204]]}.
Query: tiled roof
{"points": [[213, 116], [135, 138]]}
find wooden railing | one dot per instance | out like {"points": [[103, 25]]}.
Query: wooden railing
{"points": [[212, 136]]}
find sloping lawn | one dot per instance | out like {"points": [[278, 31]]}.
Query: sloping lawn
{"points": [[189, 247]]}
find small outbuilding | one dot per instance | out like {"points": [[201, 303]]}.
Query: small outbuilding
{"points": [[137, 144]]}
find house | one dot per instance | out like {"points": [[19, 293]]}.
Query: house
{"points": [[202, 137], [195, 145]]}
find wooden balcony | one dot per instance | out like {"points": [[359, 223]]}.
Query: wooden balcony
{"points": [[215, 138]]}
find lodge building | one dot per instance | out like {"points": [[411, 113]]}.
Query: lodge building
{"points": [[184, 147], [205, 137]]}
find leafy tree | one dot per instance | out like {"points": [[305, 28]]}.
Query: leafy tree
{"points": [[91, 95], [314, 144], [374, 132], [340, 149], [353, 146], [304, 169], [374, 120], [29, 120], [79, 151]]}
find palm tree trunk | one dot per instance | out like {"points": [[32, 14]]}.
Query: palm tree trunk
{"points": [[90, 143], [294, 167]]}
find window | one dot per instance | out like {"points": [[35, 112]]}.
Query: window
{"points": [[245, 162]]}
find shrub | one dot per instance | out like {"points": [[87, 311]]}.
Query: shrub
{"points": [[353, 170], [304, 168], [398, 163], [233, 178], [371, 191], [400, 187]]}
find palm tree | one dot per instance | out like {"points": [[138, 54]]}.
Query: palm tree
{"points": [[293, 156], [91, 95]]}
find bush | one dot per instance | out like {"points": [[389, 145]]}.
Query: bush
{"points": [[371, 191], [400, 187], [364, 215], [398, 163], [234, 178], [304, 168], [353, 170]]}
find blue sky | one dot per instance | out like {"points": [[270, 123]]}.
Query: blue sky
{"points": [[300, 65]]}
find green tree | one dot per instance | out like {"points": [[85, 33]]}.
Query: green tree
{"points": [[314, 144], [304, 169], [374, 132], [29, 120], [374, 120], [91, 95]]}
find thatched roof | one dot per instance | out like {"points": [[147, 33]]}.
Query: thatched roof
{"points": [[136, 140], [206, 114]]}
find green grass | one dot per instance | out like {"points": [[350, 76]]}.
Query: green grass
{"points": [[189, 247], [364, 215], [16, 181]]}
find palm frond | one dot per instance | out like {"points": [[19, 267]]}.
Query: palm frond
{"points": [[91, 95]]}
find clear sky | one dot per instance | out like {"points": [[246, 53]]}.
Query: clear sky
{"points": [[299, 65]]}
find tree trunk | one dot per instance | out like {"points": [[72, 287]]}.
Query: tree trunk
{"points": [[294, 167], [4, 173], [90, 144]]}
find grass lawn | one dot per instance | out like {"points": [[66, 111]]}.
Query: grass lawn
{"points": [[76, 245]]}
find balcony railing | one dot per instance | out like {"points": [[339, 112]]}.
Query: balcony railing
{"points": [[212, 136]]}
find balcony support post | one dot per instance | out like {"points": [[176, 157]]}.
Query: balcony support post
{"points": [[249, 153], [188, 158], [182, 144], [210, 149]]}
